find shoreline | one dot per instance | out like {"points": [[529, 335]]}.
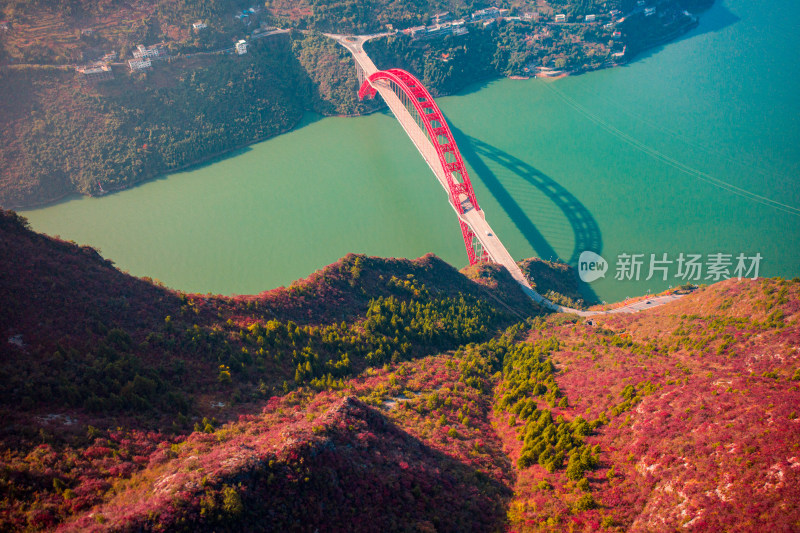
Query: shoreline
{"points": [[109, 191], [537, 75], [47, 203]]}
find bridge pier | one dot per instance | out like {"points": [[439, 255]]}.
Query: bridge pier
{"points": [[360, 74]]}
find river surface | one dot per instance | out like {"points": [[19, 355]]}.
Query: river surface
{"points": [[692, 148]]}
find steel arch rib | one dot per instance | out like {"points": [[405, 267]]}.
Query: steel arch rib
{"points": [[421, 99]]}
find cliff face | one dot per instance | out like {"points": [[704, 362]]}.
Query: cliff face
{"points": [[386, 394]]}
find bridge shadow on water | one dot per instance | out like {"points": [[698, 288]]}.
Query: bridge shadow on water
{"points": [[584, 226]]}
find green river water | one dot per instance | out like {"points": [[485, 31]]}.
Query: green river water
{"points": [[694, 148]]}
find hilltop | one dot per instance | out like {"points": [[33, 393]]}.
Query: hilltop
{"points": [[400, 390]]}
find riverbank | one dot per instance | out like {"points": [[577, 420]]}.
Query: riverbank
{"points": [[139, 127], [188, 166]]}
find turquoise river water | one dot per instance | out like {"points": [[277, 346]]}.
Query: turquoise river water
{"points": [[692, 148]]}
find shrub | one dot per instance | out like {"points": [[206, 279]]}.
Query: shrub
{"points": [[575, 467], [231, 501], [584, 503]]}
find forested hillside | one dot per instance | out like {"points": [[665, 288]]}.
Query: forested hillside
{"points": [[64, 137]]}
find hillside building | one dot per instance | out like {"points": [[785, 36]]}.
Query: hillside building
{"points": [[484, 14], [241, 47], [96, 72], [139, 64], [444, 16], [439, 30], [143, 52], [459, 28]]}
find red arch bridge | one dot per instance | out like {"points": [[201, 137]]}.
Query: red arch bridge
{"points": [[445, 156], [425, 125]]}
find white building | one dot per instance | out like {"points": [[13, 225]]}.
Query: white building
{"points": [[440, 30], [142, 51], [459, 28], [415, 32], [649, 11], [241, 47], [561, 17], [444, 16], [591, 18], [197, 26], [96, 72], [488, 13], [139, 64]]}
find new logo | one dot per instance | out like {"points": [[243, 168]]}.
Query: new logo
{"points": [[591, 266]]}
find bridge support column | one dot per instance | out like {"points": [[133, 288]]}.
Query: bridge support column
{"points": [[360, 74], [475, 251]]}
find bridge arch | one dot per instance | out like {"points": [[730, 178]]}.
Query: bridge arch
{"points": [[431, 120]]}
